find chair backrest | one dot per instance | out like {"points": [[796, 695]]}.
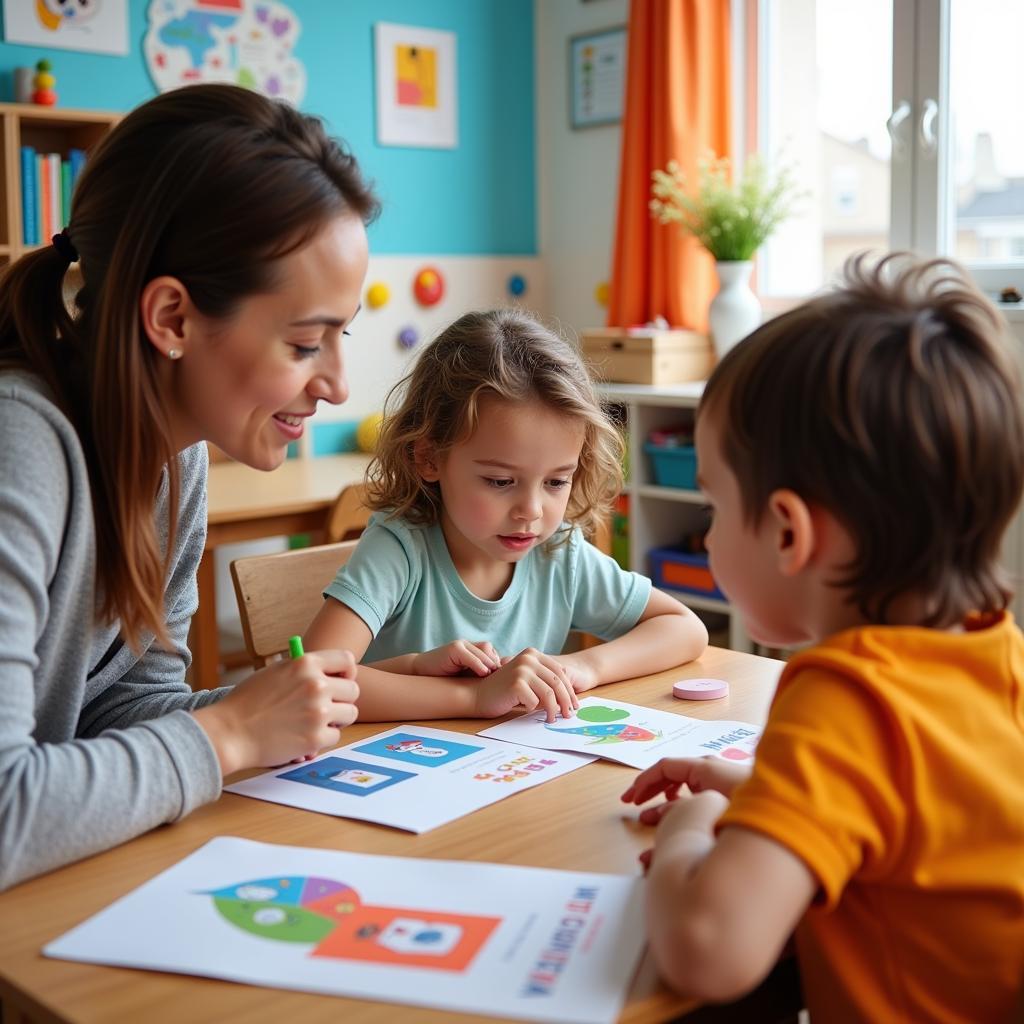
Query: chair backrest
{"points": [[279, 595], [348, 516]]}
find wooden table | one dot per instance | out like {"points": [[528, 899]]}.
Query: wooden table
{"points": [[247, 504], [575, 821]]}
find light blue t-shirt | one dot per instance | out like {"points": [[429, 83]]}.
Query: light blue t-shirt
{"points": [[402, 583]]}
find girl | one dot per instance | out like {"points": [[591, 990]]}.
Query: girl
{"points": [[220, 237], [495, 463]]}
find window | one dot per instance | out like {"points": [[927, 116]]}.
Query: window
{"points": [[901, 120]]}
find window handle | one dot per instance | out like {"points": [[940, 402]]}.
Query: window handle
{"points": [[894, 126], [929, 113]]}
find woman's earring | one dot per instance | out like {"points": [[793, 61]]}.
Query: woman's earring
{"points": [[173, 353]]}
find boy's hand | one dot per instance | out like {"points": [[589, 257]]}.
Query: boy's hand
{"points": [[456, 658], [684, 824], [530, 680], [671, 773]]}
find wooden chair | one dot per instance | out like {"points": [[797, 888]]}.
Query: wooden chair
{"points": [[348, 516], [279, 595]]}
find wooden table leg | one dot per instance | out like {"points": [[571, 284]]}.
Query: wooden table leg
{"points": [[203, 635]]}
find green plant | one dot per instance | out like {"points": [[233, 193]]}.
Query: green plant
{"points": [[730, 219]]}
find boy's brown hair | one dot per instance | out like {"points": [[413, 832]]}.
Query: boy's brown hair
{"points": [[509, 355], [893, 402]]}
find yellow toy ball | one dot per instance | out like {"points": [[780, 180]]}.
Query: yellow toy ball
{"points": [[601, 293], [368, 431], [377, 295]]}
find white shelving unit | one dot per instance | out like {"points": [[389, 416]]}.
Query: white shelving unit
{"points": [[660, 516]]}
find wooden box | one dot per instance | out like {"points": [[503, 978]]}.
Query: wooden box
{"points": [[647, 356]]}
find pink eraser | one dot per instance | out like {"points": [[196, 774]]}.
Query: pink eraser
{"points": [[700, 689]]}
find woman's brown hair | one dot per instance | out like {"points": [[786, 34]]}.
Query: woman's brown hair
{"points": [[212, 185], [509, 355], [894, 402]]}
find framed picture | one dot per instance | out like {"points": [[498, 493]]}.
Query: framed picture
{"points": [[597, 77], [91, 28], [417, 99]]}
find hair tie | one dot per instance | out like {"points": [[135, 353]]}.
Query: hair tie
{"points": [[63, 244]]}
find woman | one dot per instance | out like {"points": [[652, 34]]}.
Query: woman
{"points": [[221, 241]]}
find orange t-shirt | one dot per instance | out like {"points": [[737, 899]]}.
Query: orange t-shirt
{"points": [[892, 764]]}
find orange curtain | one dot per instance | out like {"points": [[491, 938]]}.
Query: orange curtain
{"points": [[677, 108]]}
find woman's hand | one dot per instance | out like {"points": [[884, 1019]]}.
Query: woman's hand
{"points": [[699, 774], [530, 680], [457, 658], [285, 712]]}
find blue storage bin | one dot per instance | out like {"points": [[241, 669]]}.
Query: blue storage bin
{"points": [[674, 465]]}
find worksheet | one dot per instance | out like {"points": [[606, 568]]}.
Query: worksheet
{"points": [[630, 734], [526, 943], [410, 777]]}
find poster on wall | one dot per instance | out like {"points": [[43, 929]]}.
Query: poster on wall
{"points": [[526, 943], [417, 99], [244, 42], [92, 26], [597, 63]]}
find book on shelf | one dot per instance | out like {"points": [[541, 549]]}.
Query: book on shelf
{"points": [[47, 184], [30, 223]]}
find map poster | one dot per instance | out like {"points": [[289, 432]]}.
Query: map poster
{"points": [[527, 943], [243, 42]]}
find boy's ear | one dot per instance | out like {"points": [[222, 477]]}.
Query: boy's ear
{"points": [[165, 309], [793, 528], [426, 460]]}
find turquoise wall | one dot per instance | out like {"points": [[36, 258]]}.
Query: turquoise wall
{"points": [[477, 199]]}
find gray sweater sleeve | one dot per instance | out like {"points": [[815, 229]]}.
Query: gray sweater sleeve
{"points": [[94, 749]]}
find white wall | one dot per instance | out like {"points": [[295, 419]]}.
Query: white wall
{"points": [[577, 171]]}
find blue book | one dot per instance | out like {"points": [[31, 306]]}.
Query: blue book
{"points": [[77, 159], [30, 225]]}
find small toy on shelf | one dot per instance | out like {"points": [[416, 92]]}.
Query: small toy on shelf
{"points": [[1010, 294], [44, 83]]}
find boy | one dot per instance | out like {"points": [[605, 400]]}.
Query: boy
{"points": [[863, 455]]}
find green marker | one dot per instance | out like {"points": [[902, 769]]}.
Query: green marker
{"points": [[295, 647]]}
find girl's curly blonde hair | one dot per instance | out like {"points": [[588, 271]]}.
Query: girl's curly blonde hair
{"points": [[509, 355]]}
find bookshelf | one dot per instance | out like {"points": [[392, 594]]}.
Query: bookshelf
{"points": [[661, 515], [49, 130]]}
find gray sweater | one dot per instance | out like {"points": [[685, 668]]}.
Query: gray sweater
{"points": [[96, 743]]}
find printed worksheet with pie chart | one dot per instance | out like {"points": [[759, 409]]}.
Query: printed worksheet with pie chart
{"points": [[630, 734], [411, 777]]}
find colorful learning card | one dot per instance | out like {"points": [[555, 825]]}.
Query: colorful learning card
{"points": [[526, 943], [630, 734], [410, 778]]}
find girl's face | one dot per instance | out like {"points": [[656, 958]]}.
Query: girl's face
{"points": [[505, 489], [249, 384]]}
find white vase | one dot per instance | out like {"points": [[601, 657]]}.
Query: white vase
{"points": [[734, 312]]}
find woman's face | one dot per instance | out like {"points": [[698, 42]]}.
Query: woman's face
{"points": [[249, 384]]}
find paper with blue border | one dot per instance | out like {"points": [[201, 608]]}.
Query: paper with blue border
{"points": [[411, 777], [630, 734]]}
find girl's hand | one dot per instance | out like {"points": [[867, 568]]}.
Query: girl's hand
{"points": [[287, 711], [530, 680], [456, 658], [582, 676], [700, 774]]}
